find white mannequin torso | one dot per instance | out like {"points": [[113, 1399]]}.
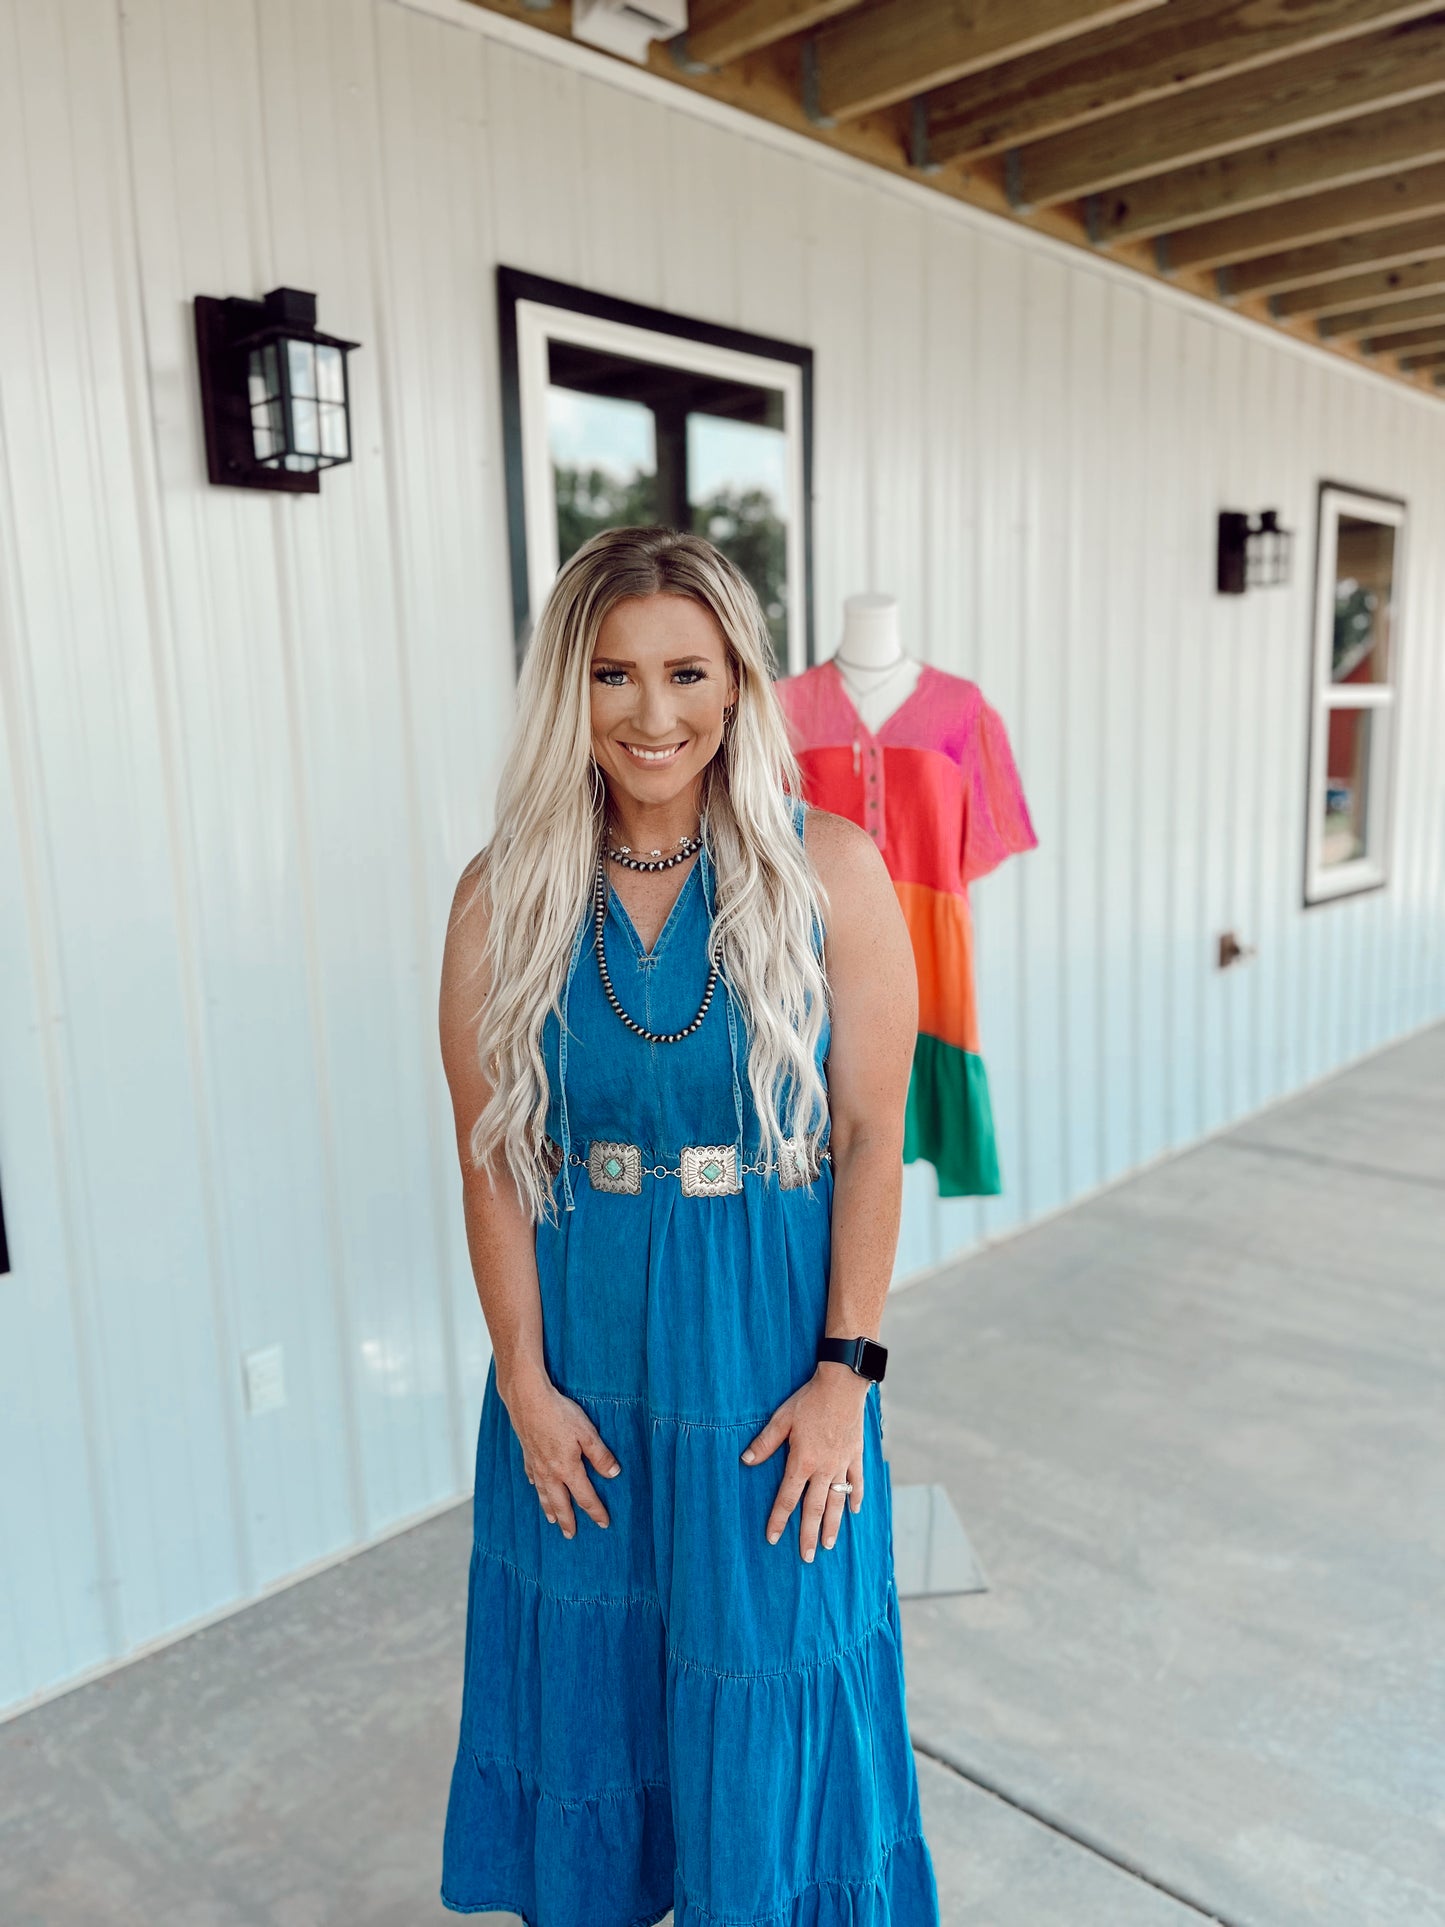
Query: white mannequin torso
{"points": [[870, 659]]}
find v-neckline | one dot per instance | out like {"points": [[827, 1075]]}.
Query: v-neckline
{"points": [[625, 915], [926, 670]]}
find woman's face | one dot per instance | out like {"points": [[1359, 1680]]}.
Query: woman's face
{"points": [[660, 680]]}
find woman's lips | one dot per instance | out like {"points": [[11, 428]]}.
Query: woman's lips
{"points": [[654, 761]]}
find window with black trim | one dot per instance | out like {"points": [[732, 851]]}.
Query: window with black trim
{"points": [[616, 413], [1354, 691]]}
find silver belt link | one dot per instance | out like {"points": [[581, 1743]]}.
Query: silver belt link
{"points": [[702, 1170]]}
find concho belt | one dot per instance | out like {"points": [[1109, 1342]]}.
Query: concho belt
{"points": [[702, 1170]]}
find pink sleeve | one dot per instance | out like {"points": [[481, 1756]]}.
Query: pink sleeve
{"points": [[995, 815]]}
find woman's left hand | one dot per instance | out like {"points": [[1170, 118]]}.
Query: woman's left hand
{"points": [[823, 1424]]}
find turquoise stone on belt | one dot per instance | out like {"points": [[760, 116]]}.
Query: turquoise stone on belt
{"points": [[613, 1167], [712, 1170]]}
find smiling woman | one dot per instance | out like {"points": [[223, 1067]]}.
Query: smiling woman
{"points": [[702, 1115]]}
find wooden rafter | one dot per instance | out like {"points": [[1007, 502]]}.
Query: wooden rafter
{"points": [[1335, 156], [1380, 285], [1189, 43], [722, 30], [1332, 83], [1418, 339], [1395, 198], [1286, 156], [1327, 260], [892, 49], [1385, 318]]}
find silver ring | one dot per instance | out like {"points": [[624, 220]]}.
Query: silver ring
{"points": [[847, 1486]]}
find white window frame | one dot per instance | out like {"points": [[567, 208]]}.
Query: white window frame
{"points": [[1327, 883], [538, 324]]}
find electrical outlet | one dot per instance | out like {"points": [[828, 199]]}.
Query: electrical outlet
{"points": [[265, 1380]]}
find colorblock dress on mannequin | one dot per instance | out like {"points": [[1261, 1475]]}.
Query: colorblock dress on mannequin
{"points": [[937, 788]]}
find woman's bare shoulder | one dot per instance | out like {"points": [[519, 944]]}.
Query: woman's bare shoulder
{"points": [[467, 926], [843, 852]]}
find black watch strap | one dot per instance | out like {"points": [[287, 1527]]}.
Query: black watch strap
{"points": [[865, 1355]]}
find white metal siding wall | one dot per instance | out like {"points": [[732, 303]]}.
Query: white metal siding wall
{"points": [[249, 742]]}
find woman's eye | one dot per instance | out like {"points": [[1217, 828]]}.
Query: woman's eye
{"points": [[603, 676]]}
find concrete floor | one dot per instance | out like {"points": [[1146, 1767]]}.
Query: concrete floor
{"points": [[1196, 1432]]}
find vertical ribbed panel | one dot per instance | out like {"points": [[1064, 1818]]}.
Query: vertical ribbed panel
{"points": [[248, 742]]}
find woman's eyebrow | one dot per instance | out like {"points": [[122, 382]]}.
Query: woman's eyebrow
{"points": [[624, 662]]}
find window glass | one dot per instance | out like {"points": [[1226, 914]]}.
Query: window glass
{"points": [[1364, 577], [1347, 756]]}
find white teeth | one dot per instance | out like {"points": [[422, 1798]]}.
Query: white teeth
{"points": [[653, 755]]}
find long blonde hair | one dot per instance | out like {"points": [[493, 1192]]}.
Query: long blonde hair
{"points": [[538, 870]]}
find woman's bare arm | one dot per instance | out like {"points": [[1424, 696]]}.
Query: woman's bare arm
{"points": [[874, 981], [555, 1434], [500, 1235]]}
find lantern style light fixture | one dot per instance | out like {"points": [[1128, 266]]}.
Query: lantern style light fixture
{"points": [[1254, 551], [275, 397]]}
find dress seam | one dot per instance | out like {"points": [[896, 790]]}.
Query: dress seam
{"points": [[569, 1598], [514, 1907], [882, 1623], [755, 1418], [623, 1791], [785, 1907]]}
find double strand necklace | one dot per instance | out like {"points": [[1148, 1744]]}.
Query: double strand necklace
{"points": [[687, 846]]}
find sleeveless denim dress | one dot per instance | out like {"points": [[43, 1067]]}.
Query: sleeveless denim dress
{"points": [[668, 1712]]}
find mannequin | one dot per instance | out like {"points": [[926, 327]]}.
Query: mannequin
{"points": [[919, 758], [877, 673]]}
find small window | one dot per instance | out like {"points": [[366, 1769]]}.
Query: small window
{"points": [[1354, 713], [617, 413]]}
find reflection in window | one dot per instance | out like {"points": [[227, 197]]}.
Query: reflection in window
{"points": [[1346, 786], [1364, 570], [635, 442]]}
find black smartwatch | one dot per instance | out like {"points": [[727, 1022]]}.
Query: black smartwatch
{"points": [[865, 1355]]}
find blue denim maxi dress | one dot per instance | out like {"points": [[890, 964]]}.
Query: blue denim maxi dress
{"points": [[669, 1712]]}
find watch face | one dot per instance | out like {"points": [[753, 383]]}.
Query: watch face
{"points": [[874, 1358]]}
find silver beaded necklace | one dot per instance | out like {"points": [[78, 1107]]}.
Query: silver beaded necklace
{"points": [[687, 845]]}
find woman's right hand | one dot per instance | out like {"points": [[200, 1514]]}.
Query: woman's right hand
{"points": [[557, 1440]]}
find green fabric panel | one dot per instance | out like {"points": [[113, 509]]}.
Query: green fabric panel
{"points": [[949, 1120]]}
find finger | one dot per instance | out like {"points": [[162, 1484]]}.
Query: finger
{"points": [[585, 1493], [855, 1473], [559, 1509], [832, 1515], [767, 1441], [600, 1453], [789, 1493], [814, 1504]]}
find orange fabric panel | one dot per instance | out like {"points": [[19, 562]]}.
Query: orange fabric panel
{"points": [[942, 931]]}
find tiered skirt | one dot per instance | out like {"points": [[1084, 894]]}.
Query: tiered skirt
{"points": [[669, 1712]]}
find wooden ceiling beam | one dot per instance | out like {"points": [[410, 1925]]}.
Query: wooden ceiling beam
{"points": [[1325, 261], [894, 49], [1286, 97], [1417, 364], [1335, 156], [1349, 291], [1417, 338], [719, 31], [1190, 43], [1394, 198], [1384, 318]]}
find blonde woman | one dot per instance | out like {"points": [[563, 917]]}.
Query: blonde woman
{"points": [[678, 1014]]}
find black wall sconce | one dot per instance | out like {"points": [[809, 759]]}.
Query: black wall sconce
{"points": [[275, 397], [1254, 551]]}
